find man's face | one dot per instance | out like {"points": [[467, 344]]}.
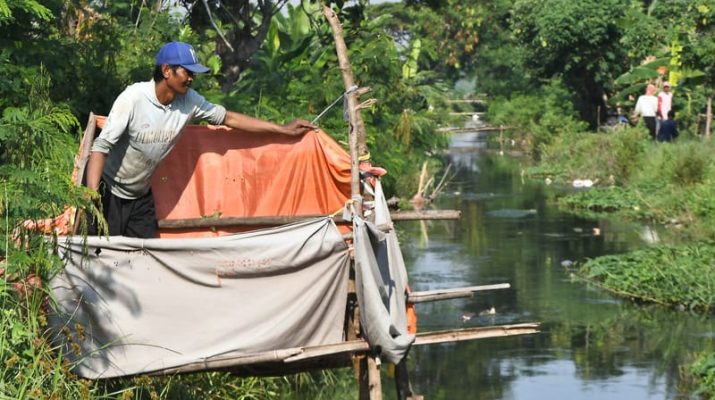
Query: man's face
{"points": [[179, 79], [666, 89]]}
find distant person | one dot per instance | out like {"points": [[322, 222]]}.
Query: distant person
{"points": [[668, 128], [144, 124], [665, 102], [647, 107], [621, 118]]}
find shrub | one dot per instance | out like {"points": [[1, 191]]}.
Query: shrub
{"points": [[536, 120]]}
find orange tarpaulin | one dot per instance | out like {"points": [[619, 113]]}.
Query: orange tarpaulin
{"points": [[216, 171]]}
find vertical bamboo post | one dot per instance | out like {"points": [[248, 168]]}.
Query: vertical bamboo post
{"points": [[368, 371], [708, 116]]}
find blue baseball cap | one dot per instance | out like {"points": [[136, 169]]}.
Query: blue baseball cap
{"points": [[180, 53]]}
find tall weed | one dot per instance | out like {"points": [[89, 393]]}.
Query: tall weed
{"points": [[608, 158]]}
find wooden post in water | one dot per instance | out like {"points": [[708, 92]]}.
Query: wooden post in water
{"points": [[368, 371]]}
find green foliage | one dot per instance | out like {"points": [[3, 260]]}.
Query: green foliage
{"points": [[578, 41], [699, 38], [607, 199], [536, 119], [643, 33], [670, 275], [319, 385], [449, 33], [297, 75], [29, 7], [37, 145], [702, 374]]}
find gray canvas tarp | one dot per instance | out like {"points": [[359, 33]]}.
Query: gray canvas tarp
{"points": [[136, 306], [381, 283]]}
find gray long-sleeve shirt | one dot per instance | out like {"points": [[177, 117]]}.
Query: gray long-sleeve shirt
{"points": [[140, 131]]}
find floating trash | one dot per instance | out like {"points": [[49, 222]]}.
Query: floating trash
{"points": [[582, 183], [467, 316], [490, 311]]}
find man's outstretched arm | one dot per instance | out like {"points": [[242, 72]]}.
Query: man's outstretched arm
{"points": [[254, 125]]}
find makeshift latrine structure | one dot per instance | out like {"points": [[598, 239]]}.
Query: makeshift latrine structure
{"points": [[268, 262]]}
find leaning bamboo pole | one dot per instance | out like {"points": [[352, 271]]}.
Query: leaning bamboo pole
{"points": [[357, 127]]}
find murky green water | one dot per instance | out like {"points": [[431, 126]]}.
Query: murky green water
{"points": [[591, 346]]}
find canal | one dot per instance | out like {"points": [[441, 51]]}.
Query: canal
{"points": [[591, 345]]}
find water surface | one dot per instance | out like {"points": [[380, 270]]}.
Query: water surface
{"points": [[591, 346]]}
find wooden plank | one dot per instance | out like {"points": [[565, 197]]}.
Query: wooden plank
{"points": [[351, 346], [467, 113], [458, 335], [413, 215], [82, 159], [451, 293], [87, 140], [468, 101], [467, 130]]}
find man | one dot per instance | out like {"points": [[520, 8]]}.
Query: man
{"points": [[647, 107], [144, 124], [668, 128], [665, 101]]}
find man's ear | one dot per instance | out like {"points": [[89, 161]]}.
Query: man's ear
{"points": [[165, 68]]}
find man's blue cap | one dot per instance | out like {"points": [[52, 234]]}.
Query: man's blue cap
{"points": [[180, 53]]}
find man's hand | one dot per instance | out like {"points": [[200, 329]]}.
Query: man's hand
{"points": [[297, 127]]}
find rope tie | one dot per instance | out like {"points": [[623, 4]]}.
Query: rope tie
{"points": [[347, 92]]}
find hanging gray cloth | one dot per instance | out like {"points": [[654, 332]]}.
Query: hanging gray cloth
{"points": [[381, 282]]}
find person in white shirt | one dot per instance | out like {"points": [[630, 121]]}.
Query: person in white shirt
{"points": [[144, 124], [665, 101], [647, 107]]}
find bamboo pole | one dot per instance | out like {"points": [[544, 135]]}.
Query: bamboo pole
{"points": [[368, 373], [227, 361], [708, 116], [357, 346], [453, 293], [301, 354], [458, 335], [357, 127], [415, 215], [212, 222]]}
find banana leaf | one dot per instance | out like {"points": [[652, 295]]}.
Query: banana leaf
{"points": [[622, 96], [637, 74]]}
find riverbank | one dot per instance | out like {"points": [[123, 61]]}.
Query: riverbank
{"points": [[669, 185]]}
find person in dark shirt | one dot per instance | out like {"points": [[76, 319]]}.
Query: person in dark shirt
{"points": [[668, 128]]}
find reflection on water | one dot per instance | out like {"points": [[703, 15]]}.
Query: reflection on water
{"points": [[592, 345]]}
